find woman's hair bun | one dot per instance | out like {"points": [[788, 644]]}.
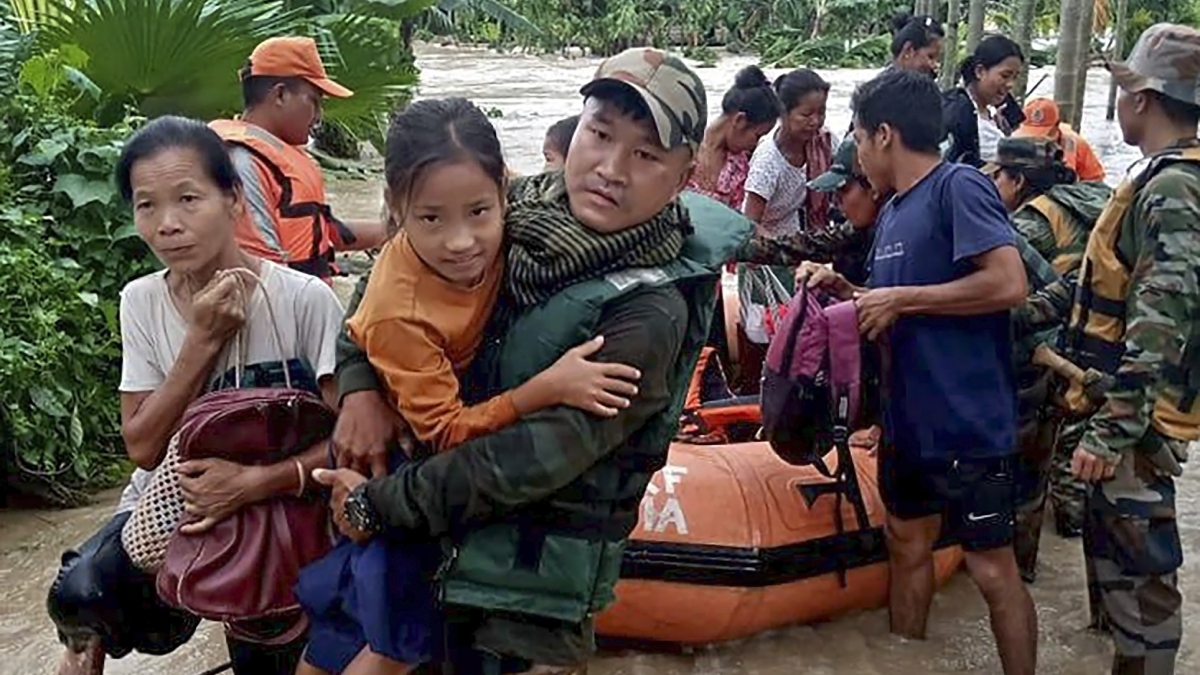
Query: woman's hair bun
{"points": [[900, 21], [751, 77]]}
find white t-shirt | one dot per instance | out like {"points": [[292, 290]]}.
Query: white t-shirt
{"points": [[989, 139], [783, 186], [307, 313]]}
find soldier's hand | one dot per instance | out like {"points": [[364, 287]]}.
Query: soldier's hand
{"points": [[1090, 468]]}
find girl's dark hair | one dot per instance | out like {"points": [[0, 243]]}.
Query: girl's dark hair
{"points": [[1039, 180], [434, 131], [918, 31], [561, 132], [794, 86], [991, 50], [752, 96], [171, 132]]}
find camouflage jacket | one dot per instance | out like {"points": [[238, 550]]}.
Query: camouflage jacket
{"points": [[1160, 237], [820, 246], [1040, 275]]}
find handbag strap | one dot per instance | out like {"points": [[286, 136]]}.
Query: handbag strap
{"points": [[241, 344], [775, 289]]}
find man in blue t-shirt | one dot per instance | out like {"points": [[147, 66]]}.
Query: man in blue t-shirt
{"points": [[944, 274]]}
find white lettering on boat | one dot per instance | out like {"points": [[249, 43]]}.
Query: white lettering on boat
{"points": [[671, 514]]}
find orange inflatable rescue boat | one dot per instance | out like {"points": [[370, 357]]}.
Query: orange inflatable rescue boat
{"points": [[732, 541]]}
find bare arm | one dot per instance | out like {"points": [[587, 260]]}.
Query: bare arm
{"points": [[368, 234], [755, 206], [998, 284], [149, 418]]}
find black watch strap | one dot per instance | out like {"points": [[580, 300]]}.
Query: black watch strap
{"points": [[360, 513]]}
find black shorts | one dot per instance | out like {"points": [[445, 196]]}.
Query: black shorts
{"points": [[100, 593], [975, 497]]}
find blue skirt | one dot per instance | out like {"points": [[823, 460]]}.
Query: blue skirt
{"points": [[379, 595]]}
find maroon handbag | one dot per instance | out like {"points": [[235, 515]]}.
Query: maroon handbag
{"points": [[246, 566]]}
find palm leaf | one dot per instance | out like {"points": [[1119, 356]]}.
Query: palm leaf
{"points": [[30, 14], [169, 56], [363, 53], [13, 47]]}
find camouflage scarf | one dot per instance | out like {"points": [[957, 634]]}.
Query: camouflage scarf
{"points": [[548, 249]]}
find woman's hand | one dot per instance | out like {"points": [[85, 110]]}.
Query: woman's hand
{"points": [[816, 275], [343, 482], [219, 309], [214, 489], [603, 389], [365, 426]]}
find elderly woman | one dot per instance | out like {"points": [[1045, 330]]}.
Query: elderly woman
{"points": [[177, 327]]}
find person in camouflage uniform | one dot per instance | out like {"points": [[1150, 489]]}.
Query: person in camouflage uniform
{"points": [[1055, 214], [558, 474], [1134, 314], [1036, 428]]}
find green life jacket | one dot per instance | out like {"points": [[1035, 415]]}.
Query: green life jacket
{"points": [[567, 570]]}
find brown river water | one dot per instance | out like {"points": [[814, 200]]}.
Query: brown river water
{"points": [[531, 93]]}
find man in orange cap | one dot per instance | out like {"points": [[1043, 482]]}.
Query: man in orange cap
{"points": [[1042, 120], [288, 219]]}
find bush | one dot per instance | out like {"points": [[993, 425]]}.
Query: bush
{"points": [[67, 247]]}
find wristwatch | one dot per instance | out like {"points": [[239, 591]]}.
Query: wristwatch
{"points": [[360, 513]]}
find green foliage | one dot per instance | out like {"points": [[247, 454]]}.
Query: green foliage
{"points": [[833, 32], [168, 56], [66, 250], [364, 54]]}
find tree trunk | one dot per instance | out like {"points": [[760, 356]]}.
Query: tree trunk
{"points": [[950, 50], [1023, 35], [1085, 59], [1088, 10], [975, 17], [925, 8], [1117, 55], [1070, 50]]}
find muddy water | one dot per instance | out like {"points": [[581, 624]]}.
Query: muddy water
{"points": [[531, 93]]}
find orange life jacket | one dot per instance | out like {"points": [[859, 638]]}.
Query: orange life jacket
{"points": [[305, 231]]}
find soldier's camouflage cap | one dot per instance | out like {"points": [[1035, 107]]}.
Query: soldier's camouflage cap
{"points": [[1024, 152], [843, 168], [672, 91], [1165, 59]]}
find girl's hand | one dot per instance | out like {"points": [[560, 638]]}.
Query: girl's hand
{"points": [[602, 389], [867, 439]]}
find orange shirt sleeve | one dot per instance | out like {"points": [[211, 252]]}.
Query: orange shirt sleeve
{"points": [[1087, 165], [415, 369], [409, 352]]}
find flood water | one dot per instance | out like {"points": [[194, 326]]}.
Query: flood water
{"points": [[531, 93]]}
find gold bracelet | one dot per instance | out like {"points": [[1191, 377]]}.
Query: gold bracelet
{"points": [[303, 478]]}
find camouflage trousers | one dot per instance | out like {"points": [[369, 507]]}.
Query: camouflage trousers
{"points": [[1131, 554], [1066, 492], [1036, 438]]}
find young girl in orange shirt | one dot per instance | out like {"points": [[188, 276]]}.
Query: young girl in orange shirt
{"points": [[421, 322]]}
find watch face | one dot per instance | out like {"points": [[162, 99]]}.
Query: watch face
{"points": [[358, 512]]}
